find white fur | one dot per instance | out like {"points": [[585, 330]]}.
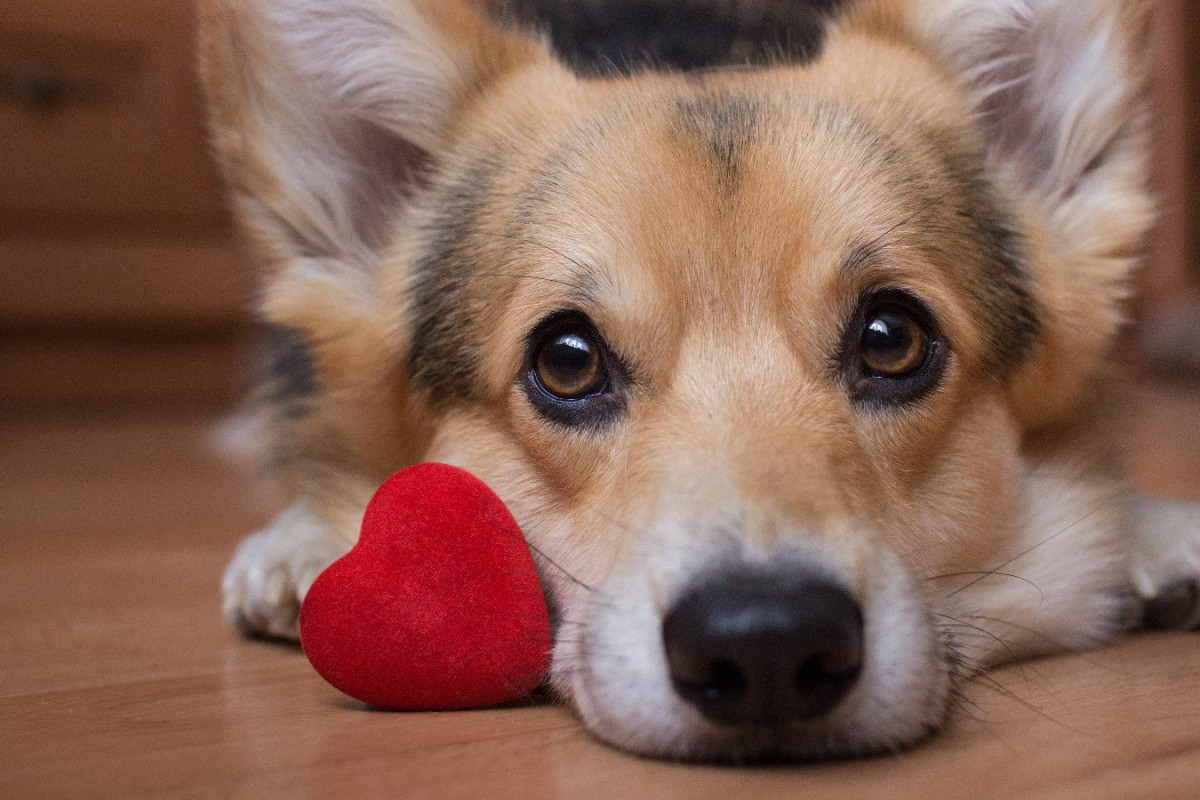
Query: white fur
{"points": [[352, 91], [1061, 98], [272, 571], [1058, 586], [610, 662]]}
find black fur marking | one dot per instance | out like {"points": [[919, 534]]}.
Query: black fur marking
{"points": [[288, 379], [1017, 326], [616, 37], [444, 355], [1000, 282], [726, 124]]}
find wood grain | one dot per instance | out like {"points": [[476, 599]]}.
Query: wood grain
{"points": [[118, 679]]}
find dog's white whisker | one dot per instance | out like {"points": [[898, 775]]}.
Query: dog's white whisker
{"points": [[989, 574], [1106, 502]]}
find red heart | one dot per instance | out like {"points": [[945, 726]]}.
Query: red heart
{"points": [[438, 606]]}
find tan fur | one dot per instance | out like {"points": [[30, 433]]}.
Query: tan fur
{"points": [[728, 293]]}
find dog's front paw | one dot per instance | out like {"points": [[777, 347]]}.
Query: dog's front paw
{"points": [[272, 571], [1165, 563]]}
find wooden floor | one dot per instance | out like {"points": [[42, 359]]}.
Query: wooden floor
{"points": [[118, 679]]}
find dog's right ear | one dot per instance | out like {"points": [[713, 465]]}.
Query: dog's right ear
{"points": [[324, 113], [1060, 101]]}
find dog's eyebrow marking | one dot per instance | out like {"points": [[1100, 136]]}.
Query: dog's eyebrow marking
{"points": [[958, 218], [860, 259], [452, 284], [580, 285], [620, 37]]}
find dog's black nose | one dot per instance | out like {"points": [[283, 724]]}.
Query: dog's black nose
{"points": [[764, 651]]}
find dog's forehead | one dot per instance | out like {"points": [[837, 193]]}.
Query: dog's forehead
{"points": [[709, 196], [731, 192], [717, 198]]}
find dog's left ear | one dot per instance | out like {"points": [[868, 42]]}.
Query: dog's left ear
{"points": [[328, 117], [324, 115], [1060, 93]]}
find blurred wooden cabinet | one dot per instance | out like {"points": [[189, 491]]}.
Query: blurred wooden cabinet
{"points": [[120, 278]]}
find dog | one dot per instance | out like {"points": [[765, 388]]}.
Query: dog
{"points": [[783, 328]]}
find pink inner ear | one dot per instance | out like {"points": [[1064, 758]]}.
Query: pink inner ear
{"points": [[388, 170], [1022, 105], [340, 107], [1055, 85]]}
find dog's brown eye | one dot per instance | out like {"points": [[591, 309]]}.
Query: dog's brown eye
{"points": [[571, 376], [894, 344], [893, 351], [569, 365]]}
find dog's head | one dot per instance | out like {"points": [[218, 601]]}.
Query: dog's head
{"points": [[750, 325]]}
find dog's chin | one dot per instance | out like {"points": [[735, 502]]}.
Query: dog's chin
{"points": [[614, 672], [685, 739]]}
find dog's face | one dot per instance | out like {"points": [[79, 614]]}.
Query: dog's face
{"points": [[754, 355], [719, 331]]}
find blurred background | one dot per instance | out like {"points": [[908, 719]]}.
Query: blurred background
{"points": [[122, 285]]}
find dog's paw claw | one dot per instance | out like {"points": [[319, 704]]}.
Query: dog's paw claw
{"points": [[1165, 567], [1176, 607], [271, 572]]}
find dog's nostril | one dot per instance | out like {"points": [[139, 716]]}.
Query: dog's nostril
{"points": [[764, 651], [717, 682], [823, 677]]}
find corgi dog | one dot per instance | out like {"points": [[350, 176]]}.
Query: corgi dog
{"points": [[783, 328]]}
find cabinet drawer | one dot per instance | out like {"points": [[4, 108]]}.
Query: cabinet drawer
{"points": [[100, 114], [79, 280], [199, 369]]}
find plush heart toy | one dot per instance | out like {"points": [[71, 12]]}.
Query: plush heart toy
{"points": [[438, 606]]}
